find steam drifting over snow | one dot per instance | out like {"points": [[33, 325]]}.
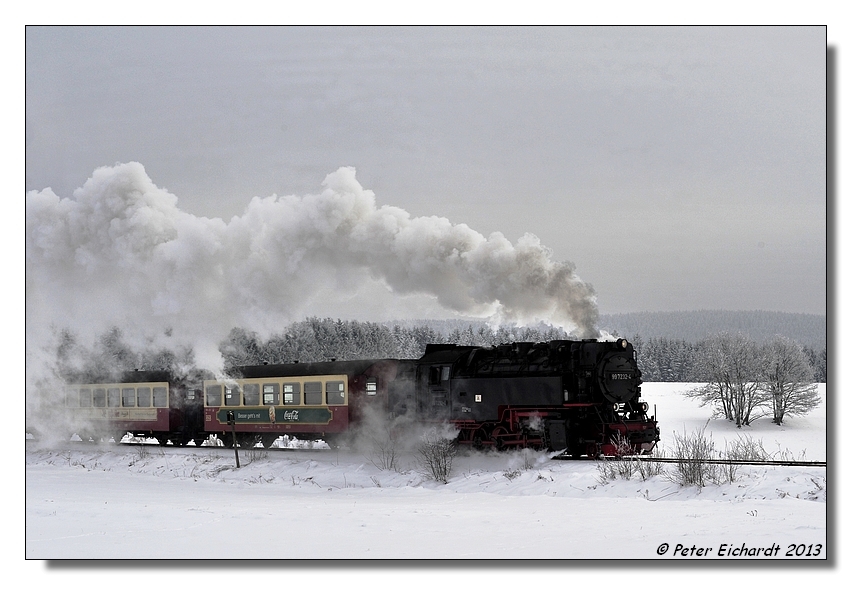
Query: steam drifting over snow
{"points": [[121, 253]]}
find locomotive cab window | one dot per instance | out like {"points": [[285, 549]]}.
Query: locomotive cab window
{"points": [[438, 375], [371, 386], [313, 392], [251, 394], [291, 394], [334, 392], [269, 394]]}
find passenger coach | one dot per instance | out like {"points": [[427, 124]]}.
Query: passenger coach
{"points": [[307, 401], [144, 403]]}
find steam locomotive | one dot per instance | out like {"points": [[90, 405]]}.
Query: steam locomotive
{"points": [[581, 397]]}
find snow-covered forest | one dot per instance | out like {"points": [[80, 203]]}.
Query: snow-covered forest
{"points": [[316, 339], [696, 325]]}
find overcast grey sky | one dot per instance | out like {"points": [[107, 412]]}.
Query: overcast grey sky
{"points": [[678, 168]]}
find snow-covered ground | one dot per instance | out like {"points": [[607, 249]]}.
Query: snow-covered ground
{"points": [[108, 502]]}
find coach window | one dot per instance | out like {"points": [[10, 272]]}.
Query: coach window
{"points": [[84, 397], [113, 397], [291, 394], [251, 394], [313, 392], [161, 397], [128, 397], [371, 386], [144, 397], [233, 395], [99, 397], [334, 392], [212, 395], [269, 394]]}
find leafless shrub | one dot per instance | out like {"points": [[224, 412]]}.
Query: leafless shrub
{"points": [[435, 454], [692, 453], [512, 474], [649, 468], [528, 459], [379, 440], [610, 469], [624, 465], [255, 454], [746, 448], [383, 452]]}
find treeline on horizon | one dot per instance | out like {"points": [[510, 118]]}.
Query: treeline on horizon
{"points": [[809, 330], [322, 339]]}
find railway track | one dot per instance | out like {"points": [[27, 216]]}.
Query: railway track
{"points": [[658, 459], [777, 463], [722, 461]]}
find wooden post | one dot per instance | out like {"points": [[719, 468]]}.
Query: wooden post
{"points": [[230, 417]]}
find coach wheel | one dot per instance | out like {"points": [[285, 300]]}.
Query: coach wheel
{"points": [[246, 442], [162, 440], [198, 441], [268, 439]]}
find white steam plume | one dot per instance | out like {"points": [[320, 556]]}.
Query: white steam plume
{"points": [[121, 252]]}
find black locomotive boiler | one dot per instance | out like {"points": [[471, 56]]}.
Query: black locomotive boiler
{"points": [[581, 397]]}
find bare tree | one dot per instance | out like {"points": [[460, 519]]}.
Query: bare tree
{"points": [[787, 386], [731, 366]]}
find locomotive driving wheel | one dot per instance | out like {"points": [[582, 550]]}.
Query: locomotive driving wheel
{"points": [[480, 438], [498, 435]]}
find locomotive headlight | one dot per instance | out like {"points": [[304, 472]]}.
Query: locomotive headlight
{"points": [[622, 343], [644, 406]]}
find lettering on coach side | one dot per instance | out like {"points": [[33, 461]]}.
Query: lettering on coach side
{"points": [[291, 415]]}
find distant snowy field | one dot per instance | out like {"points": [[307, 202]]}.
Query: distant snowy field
{"points": [[107, 502]]}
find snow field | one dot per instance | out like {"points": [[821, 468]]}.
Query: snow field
{"points": [[151, 502]]}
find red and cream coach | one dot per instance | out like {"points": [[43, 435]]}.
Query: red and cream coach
{"points": [[304, 400]]}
